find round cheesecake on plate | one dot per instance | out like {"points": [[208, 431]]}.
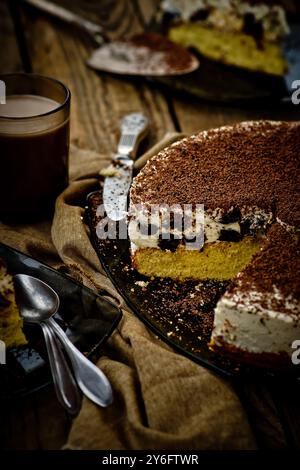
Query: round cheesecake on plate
{"points": [[246, 176]]}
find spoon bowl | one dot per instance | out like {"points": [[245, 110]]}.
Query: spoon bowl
{"points": [[36, 300]]}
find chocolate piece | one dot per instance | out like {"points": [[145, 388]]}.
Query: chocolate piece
{"points": [[253, 27], [229, 236], [233, 215], [170, 244]]}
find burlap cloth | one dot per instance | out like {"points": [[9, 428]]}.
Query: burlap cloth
{"points": [[162, 400]]}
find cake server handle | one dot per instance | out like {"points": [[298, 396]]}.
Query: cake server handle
{"points": [[134, 128], [94, 30], [64, 383]]}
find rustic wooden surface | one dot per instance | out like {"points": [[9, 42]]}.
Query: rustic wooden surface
{"points": [[10, 59], [98, 102]]}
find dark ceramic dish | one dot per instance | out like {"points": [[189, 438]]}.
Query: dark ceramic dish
{"points": [[87, 318]]}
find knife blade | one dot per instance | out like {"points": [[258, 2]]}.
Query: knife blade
{"points": [[134, 128]]}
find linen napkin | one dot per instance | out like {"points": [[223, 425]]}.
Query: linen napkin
{"points": [[162, 400]]}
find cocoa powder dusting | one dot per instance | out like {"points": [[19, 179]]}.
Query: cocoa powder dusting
{"points": [[248, 164], [176, 57]]}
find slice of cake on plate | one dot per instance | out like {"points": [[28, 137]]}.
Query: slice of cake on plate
{"points": [[259, 316]]}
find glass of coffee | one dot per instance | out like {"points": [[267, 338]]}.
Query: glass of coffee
{"points": [[34, 145]]}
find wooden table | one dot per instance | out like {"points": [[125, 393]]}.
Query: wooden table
{"points": [[98, 103]]}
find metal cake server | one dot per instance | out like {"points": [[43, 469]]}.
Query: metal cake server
{"points": [[145, 54], [134, 128]]}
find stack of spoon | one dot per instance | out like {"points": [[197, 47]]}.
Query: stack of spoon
{"points": [[37, 303]]}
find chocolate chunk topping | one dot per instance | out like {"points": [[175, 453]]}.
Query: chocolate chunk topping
{"points": [[251, 164], [230, 236], [233, 215], [200, 15], [4, 302], [170, 244], [253, 27]]}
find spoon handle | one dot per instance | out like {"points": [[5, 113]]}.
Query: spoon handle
{"points": [[65, 386], [92, 381]]}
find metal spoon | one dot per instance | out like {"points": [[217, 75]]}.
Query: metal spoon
{"points": [[38, 302], [65, 386]]}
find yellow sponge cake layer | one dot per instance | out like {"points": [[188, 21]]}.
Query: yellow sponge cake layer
{"points": [[220, 260], [231, 48]]}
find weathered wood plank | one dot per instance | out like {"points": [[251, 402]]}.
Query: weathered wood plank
{"points": [[9, 58], [194, 115], [98, 100], [118, 18]]}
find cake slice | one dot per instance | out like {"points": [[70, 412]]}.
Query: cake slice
{"points": [[259, 315], [10, 321], [246, 34]]}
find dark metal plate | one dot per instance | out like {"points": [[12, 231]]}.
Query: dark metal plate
{"points": [[181, 313]]}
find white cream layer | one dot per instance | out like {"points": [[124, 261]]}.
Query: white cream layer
{"points": [[229, 15], [212, 226], [242, 322]]}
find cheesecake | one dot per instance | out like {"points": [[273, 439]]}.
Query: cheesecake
{"points": [[259, 315], [246, 34], [245, 178], [10, 321]]}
